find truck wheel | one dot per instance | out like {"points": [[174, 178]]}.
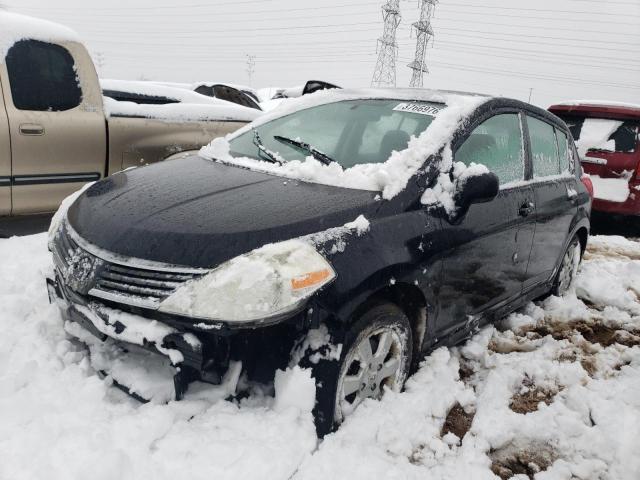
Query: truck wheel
{"points": [[376, 354], [568, 268]]}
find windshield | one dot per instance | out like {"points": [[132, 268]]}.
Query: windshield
{"points": [[348, 132], [601, 134]]}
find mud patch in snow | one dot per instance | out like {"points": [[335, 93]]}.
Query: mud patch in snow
{"points": [[530, 395], [458, 421], [525, 460]]}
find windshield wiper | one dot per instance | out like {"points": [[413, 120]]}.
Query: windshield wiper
{"points": [[313, 151], [267, 155]]}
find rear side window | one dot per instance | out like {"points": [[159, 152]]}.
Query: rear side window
{"points": [[563, 151], [544, 148], [497, 144], [603, 134], [42, 77]]}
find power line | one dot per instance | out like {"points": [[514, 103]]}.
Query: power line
{"points": [[544, 10], [546, 19]]}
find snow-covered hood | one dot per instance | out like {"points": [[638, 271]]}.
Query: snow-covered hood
{"points": [[198, 213]]}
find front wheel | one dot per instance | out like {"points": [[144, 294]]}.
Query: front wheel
{"points": [[376, 354], [568, 268]]}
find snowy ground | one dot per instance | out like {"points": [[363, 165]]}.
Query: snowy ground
{"points": [[555, 389]]}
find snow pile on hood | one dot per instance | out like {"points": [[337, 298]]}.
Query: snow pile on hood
{"points": [[595, 135], [389, 177], [555, 388], [15, 27]]}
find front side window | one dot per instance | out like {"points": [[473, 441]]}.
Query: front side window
{"points": [[42, 77], [544, 148], [497, 144], [350, 132]]}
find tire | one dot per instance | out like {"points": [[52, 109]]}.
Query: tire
{"points": [[568, 268], [385, 322]]}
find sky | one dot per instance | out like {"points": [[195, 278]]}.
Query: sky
{"points": [[548, 50]]}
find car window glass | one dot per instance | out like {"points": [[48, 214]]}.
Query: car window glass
{"points": [[351, 132], [563, 151], [604, 134], [497, 144], [373, 137], [544, 148], [42, 77]]}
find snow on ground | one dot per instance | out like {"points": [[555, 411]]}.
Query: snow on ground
{"points": [[554, 388]]}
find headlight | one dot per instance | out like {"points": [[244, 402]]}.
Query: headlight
{"points": [[266, 282]]}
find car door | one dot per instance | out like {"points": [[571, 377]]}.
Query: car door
{"points": [[486, 265], [5, 160], [56, 122], [555, 187]]}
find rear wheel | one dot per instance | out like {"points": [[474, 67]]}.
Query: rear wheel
{"points": [[376, 354], [568, 268]]}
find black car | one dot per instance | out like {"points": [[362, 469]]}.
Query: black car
{"points": [[242, 261]]}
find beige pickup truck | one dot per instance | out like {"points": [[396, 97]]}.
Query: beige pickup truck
{"points": [[55, 132]]}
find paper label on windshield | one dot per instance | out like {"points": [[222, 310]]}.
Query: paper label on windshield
{"points": [[421, 108]]}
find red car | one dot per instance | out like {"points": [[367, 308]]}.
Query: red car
{"points": [[608, 141]]}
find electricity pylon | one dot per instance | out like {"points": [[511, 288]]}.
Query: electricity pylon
{"points": [[385, 72], [424, 33]]}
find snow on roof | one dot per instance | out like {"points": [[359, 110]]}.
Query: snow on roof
{"points": [[323, 97], [158, 90], [182, 112], [596, 103], [390, 177], [192, 106], [15, 27]]}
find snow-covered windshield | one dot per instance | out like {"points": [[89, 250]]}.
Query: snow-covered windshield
{"points": [[349, 132], [603, 134]]}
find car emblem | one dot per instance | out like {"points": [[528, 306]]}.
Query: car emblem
{"points": [[81, 271]]}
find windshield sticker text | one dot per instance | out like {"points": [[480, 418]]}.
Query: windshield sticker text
{"points": [[420, 108]]}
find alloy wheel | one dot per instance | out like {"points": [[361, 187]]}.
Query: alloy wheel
{"points": [[569, 268], [373, 363]]}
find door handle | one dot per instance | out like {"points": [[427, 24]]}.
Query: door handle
{"points": [[572, 194], [526, 209], [31, 129]]}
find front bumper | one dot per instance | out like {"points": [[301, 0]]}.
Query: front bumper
{"points": [[185, 351], [195, 354]]}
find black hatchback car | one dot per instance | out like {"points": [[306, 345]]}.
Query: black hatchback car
{"points": [[351, 233]]}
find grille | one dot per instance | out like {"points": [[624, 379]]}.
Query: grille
{"points": [[118, 281], [137, 284]]}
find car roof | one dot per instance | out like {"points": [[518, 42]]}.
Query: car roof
{"points": [[15, 27], [598, 108], [416, 94]]}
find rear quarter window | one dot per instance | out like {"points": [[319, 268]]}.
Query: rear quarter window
{"points": [[564, 152]]}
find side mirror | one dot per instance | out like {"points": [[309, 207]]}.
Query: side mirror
{"points": [[478, 189]]}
